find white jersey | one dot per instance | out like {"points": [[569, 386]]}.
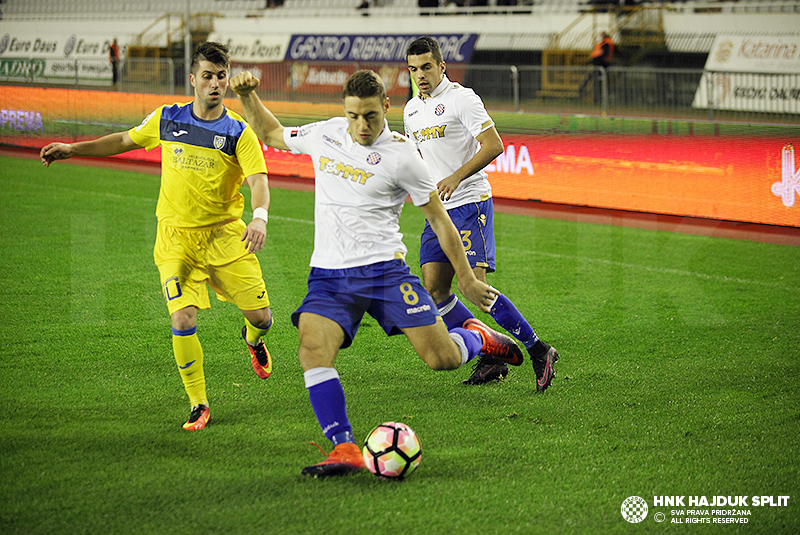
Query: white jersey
{"points": [[444, 127], [359, 192]]}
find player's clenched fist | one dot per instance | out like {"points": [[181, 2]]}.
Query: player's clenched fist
{"points": [[244, 83], [54, 151]]}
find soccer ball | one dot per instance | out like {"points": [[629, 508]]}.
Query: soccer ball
{"points": [[392, 451]]}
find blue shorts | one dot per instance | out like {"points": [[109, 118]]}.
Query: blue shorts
{"points": [[387, 291], [475, 224]]}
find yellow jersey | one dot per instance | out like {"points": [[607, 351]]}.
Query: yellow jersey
{"points": [[203, 164]]}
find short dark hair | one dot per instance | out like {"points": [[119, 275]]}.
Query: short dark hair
{"points": [[216, 53], [364, 84], [423, 45]]}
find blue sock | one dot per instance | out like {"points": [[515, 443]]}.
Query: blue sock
{"points": [[327, 399], [453, 312], [472, 340], [508, 317]]}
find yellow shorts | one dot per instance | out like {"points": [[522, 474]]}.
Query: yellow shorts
{"points": [[188, 259]]}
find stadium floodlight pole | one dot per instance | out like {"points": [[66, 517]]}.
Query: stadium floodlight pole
{"points": [[187, 49]]}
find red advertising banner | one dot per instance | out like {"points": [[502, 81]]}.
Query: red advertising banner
{"points": [[735, 179], [730, 178]]}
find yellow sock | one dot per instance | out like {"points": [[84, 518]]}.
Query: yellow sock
{"points": [[254, 334], [189, 357]]}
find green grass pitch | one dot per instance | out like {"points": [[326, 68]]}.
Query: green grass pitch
{"points": [[679, 376]]}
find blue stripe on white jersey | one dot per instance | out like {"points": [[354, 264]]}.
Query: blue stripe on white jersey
{"points": [[179, 124]]}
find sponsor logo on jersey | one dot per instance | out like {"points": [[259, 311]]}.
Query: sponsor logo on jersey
{"points": [[344, 170], [195, 162], [179, 133], [332, 141], [432, 132]]}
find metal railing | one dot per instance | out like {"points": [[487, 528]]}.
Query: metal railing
{"points": [[134, 75], [680, 94]]}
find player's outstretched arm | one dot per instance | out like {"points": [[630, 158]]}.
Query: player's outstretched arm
{"points": [[104, 146], [479, 293], [268, 128]]}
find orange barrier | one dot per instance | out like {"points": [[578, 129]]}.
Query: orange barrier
{"points": [[728, 178], [744, 179]]}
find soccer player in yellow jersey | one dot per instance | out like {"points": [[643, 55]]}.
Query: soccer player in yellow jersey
{"points": [[207, 151]]}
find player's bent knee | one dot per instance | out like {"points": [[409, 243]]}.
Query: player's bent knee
{"points": [[185, 318], [261, 318]]}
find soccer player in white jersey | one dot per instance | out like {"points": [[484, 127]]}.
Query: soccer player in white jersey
{"points": [[457, 139], [207, 151], [363, 174]]}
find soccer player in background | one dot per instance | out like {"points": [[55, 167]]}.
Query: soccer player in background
{"points": [[207, 151], [363, 174], [457, 139]]}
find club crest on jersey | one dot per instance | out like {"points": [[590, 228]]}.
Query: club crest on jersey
{"points": [[344, 170], [439, 109], [373, 158], [219, 142]]}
